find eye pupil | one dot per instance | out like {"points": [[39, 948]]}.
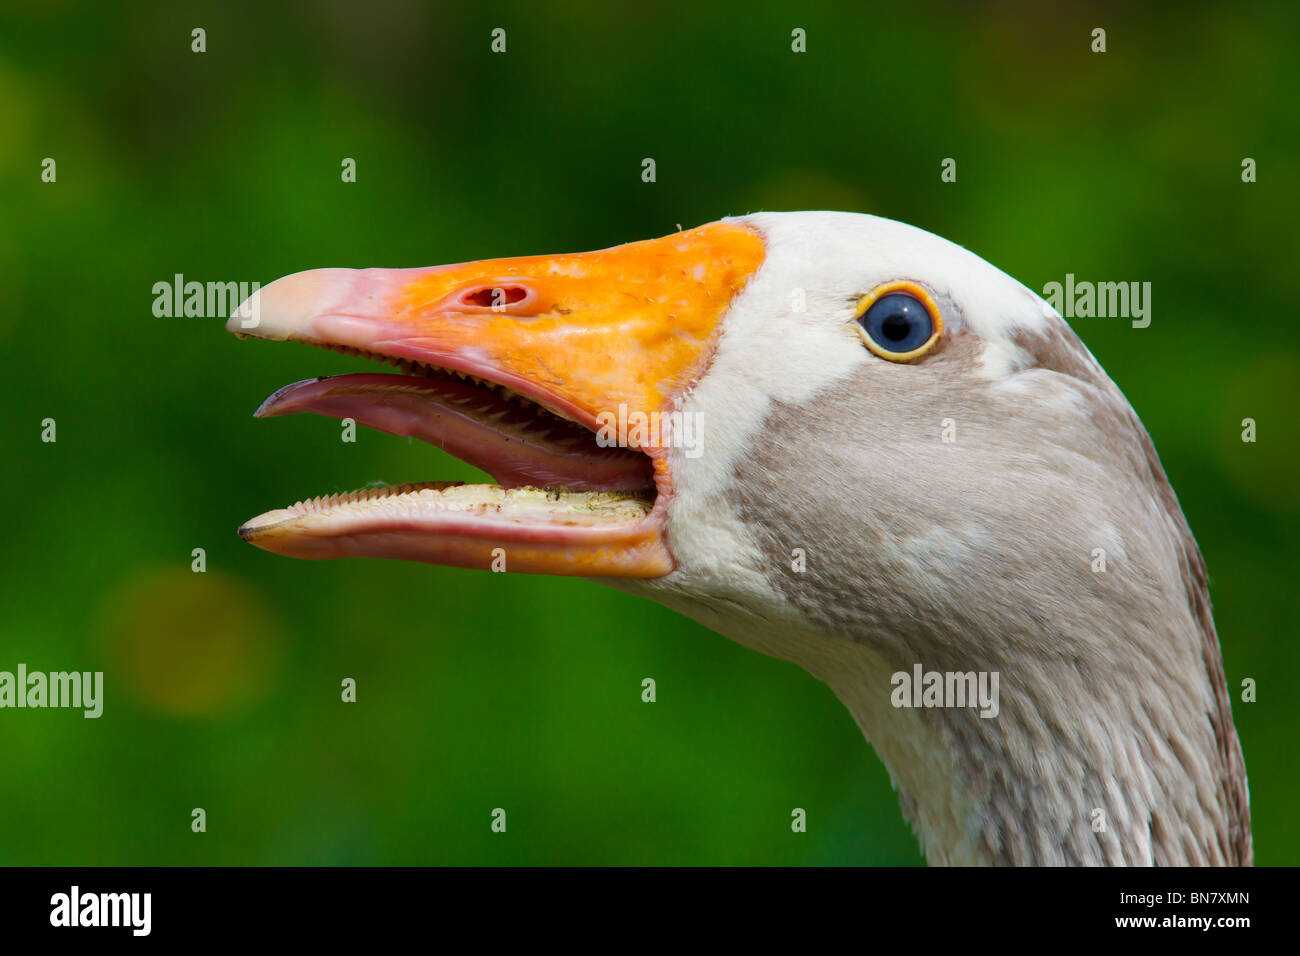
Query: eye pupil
{"points": [[897, 323], [895, 327]]}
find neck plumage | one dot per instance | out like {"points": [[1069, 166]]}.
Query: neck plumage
{"points": [[1080, 765]]}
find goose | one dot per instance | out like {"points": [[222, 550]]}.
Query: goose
{"points": [[839, 440]]}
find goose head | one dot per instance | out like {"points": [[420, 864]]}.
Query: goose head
{"points": [[839, 440]]}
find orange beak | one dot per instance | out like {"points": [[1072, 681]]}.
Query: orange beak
{"points": [[559, 375]]}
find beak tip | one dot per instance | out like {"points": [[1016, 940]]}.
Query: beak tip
{"points": [[286, 306]]}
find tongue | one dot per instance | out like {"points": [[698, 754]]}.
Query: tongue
{"points": [[516, 444]]}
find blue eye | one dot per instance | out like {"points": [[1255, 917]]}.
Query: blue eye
{"points": [[897, 324]]}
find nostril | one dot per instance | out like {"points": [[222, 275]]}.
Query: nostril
{"points": [[495, 296]]}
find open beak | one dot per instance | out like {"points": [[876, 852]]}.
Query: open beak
{"points": [[557, 375]]}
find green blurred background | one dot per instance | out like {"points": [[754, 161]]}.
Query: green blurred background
{"points": [[478, 690]]}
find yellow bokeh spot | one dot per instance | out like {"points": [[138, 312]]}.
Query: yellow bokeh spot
{"points": [[189, 644]]}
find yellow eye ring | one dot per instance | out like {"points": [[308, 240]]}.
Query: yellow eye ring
{"points": [[899, 321]]}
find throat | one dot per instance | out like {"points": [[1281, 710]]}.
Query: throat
{"points": [[929, 773], [915, 741]]}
